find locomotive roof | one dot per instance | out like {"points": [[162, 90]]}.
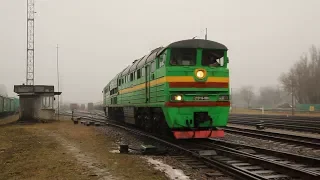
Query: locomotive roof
{"points": [[189, 43], [125, 71], [151, 56], [135, 64], [197, 43]]}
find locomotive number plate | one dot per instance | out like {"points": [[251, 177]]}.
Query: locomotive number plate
{"points": [[201, 98]]}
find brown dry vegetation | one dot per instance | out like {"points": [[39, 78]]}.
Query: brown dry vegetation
{"points": [[8, 120], [26, 154], [61, 150]]}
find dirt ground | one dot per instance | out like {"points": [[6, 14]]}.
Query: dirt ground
{"points": [[8, 120], [62, 150]]}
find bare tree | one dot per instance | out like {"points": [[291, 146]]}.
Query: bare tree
{"points": [[269, 96], [272, 96], [303, 79], [247, 94]]}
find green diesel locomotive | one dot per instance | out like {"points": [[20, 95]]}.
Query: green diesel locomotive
{"points": [[181, 89]]}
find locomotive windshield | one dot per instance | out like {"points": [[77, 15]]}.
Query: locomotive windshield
{"points": [[212, 57], [183, 57]]}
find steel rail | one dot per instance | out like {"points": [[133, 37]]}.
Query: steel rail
{"points": [[308, 161], [310, 124], [293, 171], [305, 141]]}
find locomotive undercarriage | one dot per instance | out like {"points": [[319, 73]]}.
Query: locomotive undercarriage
{"points": [[149, 119], [152, 120]]}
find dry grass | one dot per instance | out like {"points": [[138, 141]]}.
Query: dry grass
{"points": [[26, 154], [250, 111], [46, 151], [99, 146]]}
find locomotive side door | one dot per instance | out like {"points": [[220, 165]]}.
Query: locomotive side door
{"points": [[147, 83]]}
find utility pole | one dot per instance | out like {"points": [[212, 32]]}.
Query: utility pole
{"points": [[206, 36], [30, 43], [58, 79], [292, 98]]}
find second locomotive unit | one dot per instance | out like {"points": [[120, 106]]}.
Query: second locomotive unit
{"points": [[181, 89]]}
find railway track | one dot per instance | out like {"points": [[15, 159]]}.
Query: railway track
{"points": [[296, 140], [308, 124], [304, 163], [261, 165], [226, 158]]}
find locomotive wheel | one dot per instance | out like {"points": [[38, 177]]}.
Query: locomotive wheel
{"points": [[157, 124], [163, 128], [147, 122], [143, 121], [139, 120]]}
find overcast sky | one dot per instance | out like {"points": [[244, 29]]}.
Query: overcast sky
{"points": [[98, 38]]}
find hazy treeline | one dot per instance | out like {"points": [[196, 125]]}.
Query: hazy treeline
{"points": [[268, 97], [303, 80]]}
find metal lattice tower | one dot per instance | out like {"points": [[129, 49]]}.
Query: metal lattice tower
{"points": [[30, 42]]}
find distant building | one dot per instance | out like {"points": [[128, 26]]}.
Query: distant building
{"points": [[90, 106], [83, 107], [74, 106]]}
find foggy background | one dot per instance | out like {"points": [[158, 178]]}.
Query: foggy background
{"points": [[99, 38]]}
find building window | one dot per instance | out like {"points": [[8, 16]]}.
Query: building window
{"points": [[47, 102]]}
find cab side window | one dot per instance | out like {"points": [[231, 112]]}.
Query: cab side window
{"points": [[138, 73], [162, 60], [153, 66], [131, 77]]}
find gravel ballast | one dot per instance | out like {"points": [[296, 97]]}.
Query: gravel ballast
{"points": [[135, 142]]}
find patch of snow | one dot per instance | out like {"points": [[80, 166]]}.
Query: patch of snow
{"points": [[174, 174], [115, 151]]}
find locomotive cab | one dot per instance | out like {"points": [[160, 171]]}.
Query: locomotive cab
{"points": [[198, 91]]}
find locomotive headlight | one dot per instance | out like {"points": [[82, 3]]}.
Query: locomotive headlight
{"points": [[176, 98], [200, 74]]}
